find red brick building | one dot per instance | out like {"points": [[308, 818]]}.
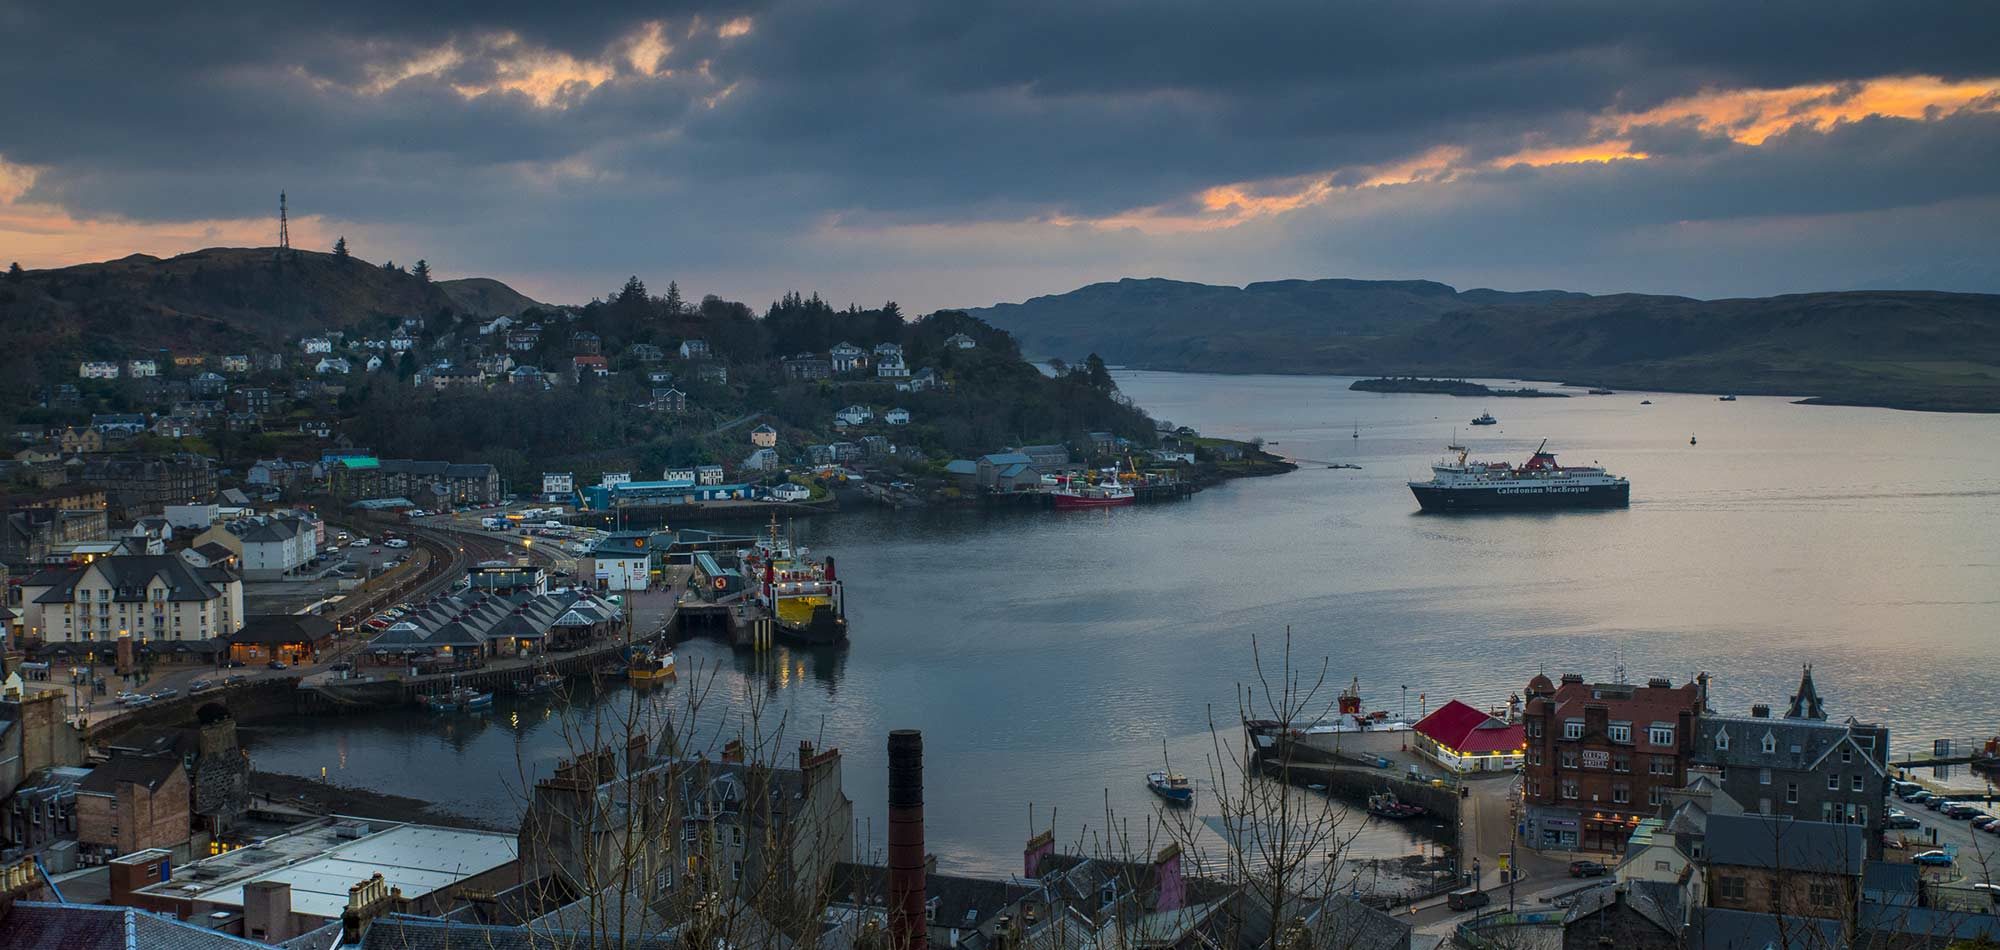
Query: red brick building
{"points": [[1602, 756]]}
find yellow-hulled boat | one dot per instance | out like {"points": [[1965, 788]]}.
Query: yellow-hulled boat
{"points": [[650, 667]]}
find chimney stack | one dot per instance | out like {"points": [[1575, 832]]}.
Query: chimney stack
{"points": [[1760, 711], [908, 928]]}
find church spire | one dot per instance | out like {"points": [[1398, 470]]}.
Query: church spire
{"points": [[1806, 703]]}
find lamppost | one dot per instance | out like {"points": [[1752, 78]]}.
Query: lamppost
{"points": [[1406, 717]]}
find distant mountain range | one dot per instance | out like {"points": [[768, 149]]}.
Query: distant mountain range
{"points": [[1907, 349], [214, 301]]}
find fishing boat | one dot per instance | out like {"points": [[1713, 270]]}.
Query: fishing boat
{"points": [[1485, 419], [460, 699], [1386, 805], [543, 683], [1173, 787], [1071, 493], [647, 667]]}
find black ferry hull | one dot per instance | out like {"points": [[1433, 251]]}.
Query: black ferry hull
{"points": [[1522, 497]]}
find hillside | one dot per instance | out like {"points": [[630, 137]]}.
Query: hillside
{"points": [[486, 297], [1908, 349], [213, 300]]}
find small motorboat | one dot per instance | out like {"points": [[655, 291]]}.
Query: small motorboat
{"points": [[1385, 805], [1645, 402], [1725, 398], [544, 682], [1173, 787], [460, 699], [1691, 440], [1485, 419]]}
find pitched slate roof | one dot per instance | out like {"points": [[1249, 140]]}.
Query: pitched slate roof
{"points": [[33, 925], [1775, 842], [129, 575], [472, 618], [1797, 743], [145, 770], [283, 628]]}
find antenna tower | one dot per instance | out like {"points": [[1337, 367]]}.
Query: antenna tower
{"points": [[284, 226]]}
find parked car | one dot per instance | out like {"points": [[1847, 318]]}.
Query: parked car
{"points": [[235, 679], [166, 693], [1587, 869], [1468, 899], [1961, 811], [1900, 820], [358, 543], [1933, 858], [341, 667], [1918, 796], [1938, 803], [1981, 820], [199, 685], [232, 664], [277, 664], [397, 543]]}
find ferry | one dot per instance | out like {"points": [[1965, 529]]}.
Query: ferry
{"points": [[1105, 494], [1457, 484], [803, 595], [1485, 419], [460, 699], [1173, 787], [647, 667]]}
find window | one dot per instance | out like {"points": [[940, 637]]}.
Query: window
{"points": [[736, 870], [1833, 783], [1722, 741], [663, 879], [1569, 758], [1847, 755], [1535, 728], [1655, 795], [1621, 732], [1534, 788], [1791, 793], [1829, 812], [1732, 888], [1569, 789], [1663, 866], [1763, 776], [1621, 794], [736, 836], [1823, 894], [1770, 743], [1621, 763], [1535, 757], [1572, 728], [1662, 765], [1661, 735], [1856, 784]]}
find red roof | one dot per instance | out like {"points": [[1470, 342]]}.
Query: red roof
{"points": [[1461, 728]]}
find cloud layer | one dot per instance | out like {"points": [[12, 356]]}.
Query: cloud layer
{"points": [[945, 154]]}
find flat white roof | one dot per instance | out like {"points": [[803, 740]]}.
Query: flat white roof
{"points": [[419, 859]]}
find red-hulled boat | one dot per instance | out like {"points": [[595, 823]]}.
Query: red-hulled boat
{"points": [[1075, 494]]}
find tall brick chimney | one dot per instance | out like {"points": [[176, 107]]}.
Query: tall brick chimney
{"points": [[908, 928]]}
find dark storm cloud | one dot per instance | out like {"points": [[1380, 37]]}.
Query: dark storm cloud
{"points": [[880, 113]]}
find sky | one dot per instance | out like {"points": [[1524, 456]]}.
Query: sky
{"points": [[945, 154]]}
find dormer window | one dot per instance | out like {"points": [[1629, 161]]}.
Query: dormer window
{"points": [[1621, 732], [1722, 741], [1770, 743], [1572, 728]]}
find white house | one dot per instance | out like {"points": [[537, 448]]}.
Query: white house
{"points": [[140, 369], [708, 475], [761, 460], [790, 491], [855, 415], [890, 366], [316, 344], [897, 417], [960, 341], [97, 369], [148, 597], [678, 473], [623, 561], [847, 357], [888, 349], [402, 341], [611, 479], [374, 363], [236, 364], [270, 547], [694, 349], [333, 364], [558, 483], [497, 325], [764, 436]]}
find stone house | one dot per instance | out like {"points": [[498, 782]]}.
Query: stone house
{"points": [[132, 803]]}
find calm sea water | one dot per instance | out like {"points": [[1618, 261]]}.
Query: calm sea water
{"points": [[1053, 658]]}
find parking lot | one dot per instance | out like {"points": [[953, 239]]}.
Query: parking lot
{"points": [[1975, 853], [338, 568]]}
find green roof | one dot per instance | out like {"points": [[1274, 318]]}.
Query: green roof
{"points": [[361, 462]]}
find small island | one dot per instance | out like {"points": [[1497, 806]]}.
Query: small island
{"points": [[1445, 387]]}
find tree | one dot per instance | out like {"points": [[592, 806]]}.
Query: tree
{"points": [[1096, 373], [633, 292], [406, 366], [340, 246], [14, 272], [390, 266], [422, 270], [675, 306]]}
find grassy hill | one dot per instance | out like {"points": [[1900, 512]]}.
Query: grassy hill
{"points": [[1907, 349], [486, 297]]}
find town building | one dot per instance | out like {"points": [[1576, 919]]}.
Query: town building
{"points": [[623, 561], [645, 353], [694, 349], [897, 417], [1463, 739], [959, 341], [269, 547], [891, 366], [467, 628], [314, 345], [235, 364], [670, 400], [142, 369], [715, 374], [806, 366], [762, 460], [789, 491], [135, 486], [30, 535], [846, 357], [98, 369], [710, 474], [1803, 765], [132, 803], [402, 341], [362, 477], [558, 483], [1601, 757], [855, 415], [589, 364], [584, 341], [297, 639], [150, 597], [1773, 865], [764, 435]]}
